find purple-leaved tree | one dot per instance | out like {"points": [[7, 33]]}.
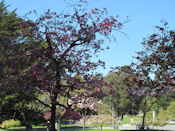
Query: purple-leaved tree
{"points": [[58, 47], [154, 73]]}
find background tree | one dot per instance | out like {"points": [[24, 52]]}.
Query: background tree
{"points": [[84, 103], [143, 90], [164, 102], [102, 119], [120, 101], [155, 63], [158, 55]]}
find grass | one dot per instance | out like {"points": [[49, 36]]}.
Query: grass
{"points": [[33, 126], [22, 127], [79, 130], [126, 120]]}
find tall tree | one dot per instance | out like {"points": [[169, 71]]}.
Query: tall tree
{"points": [[63, 47], [9, 25], [11, 43]]}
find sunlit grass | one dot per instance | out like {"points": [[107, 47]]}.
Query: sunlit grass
{"points": [[98, 130], [126, 120]]}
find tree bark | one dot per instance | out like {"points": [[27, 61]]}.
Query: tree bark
{"points": [[143, 122], [144, 114], [28, 126], [53, 118], [84, 120]]}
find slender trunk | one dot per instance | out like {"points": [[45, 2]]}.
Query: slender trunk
{"points": [[84, 119], [52, 121], [101, 127], [121, 117], [143, 121], [59, 124], [144, 114]]}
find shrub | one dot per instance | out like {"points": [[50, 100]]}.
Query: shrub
{"points": [[100, 120], [10, 123]]}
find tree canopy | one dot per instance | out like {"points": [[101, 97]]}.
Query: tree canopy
{"points": [[55, 49]]}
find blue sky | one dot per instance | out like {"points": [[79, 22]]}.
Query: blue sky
{"points": [[143, 15]]}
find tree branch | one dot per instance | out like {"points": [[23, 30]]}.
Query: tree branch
{"points": [[153, 104], [42, 102]]}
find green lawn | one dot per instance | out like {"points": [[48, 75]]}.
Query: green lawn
{"points": [[126, 120], [79, 130], [21, 127]]}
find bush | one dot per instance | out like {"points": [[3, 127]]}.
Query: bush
{"points": [[10, 123], [101, 119]]}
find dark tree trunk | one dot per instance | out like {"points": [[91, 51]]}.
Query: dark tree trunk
{"points": [[53, 118], [26, 122], [28, 126], [144, 114], [143, 122]]}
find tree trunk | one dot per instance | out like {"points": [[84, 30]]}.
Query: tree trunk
{"points": [[84, 120], [144, 114], [53, 118], [59, 124], [121, 117], [26, 123], [28, 126], [143, 122], [101, 128]]}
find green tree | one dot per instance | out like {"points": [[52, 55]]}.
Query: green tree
{"points": [[9, 25], [120, 100], [163, 102], [17, 99]]}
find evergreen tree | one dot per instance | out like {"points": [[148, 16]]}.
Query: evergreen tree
{"points": [[14, 103]]}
